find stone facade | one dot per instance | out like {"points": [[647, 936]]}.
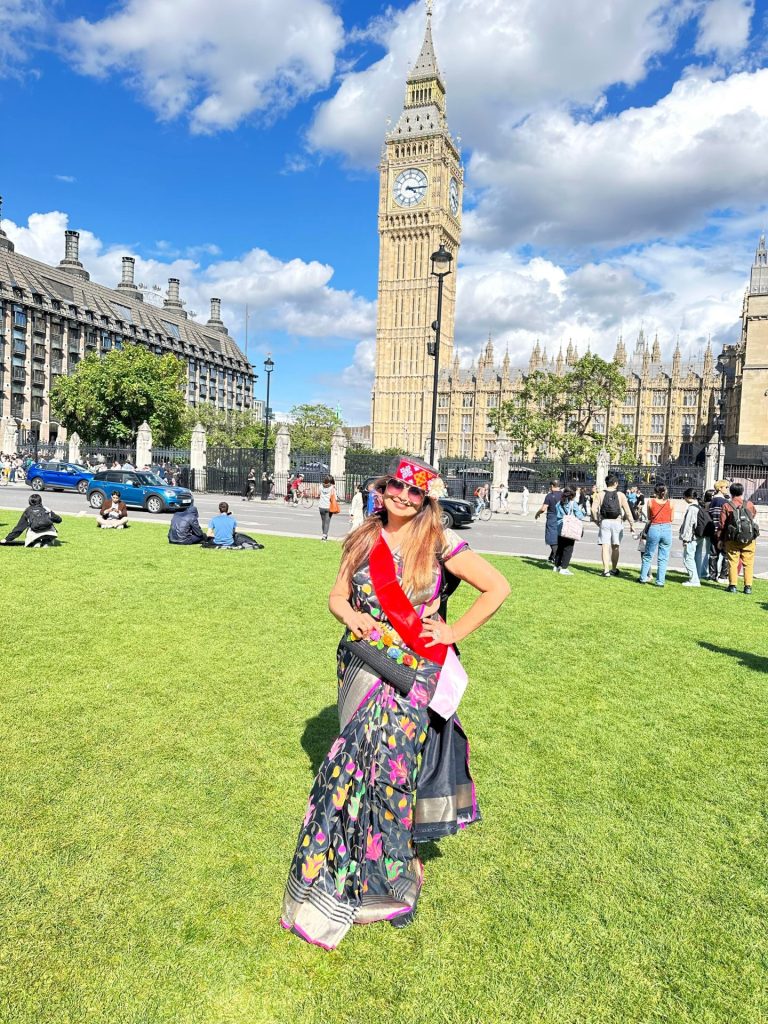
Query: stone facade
{"points": [[52, 317], [420, 195], [669, 408], [745, 365]]}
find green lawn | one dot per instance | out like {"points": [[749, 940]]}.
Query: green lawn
{"points": [[162, 710]]}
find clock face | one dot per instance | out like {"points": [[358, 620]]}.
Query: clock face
{"points": [[453, 196], [410, 187]]}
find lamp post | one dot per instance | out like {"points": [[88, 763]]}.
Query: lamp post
{"points": [[441, 267], [269, 367]]}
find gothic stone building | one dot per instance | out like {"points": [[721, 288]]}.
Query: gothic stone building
{"points": [[745, 372], [51, 317], [669, 408]]}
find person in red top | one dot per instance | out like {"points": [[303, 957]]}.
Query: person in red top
{"points": [[735, 529], [658, 536]]}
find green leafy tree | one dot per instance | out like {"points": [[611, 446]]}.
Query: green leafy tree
{"points": [[236, 429], [557, 414], [313, 426], [108, 397]]}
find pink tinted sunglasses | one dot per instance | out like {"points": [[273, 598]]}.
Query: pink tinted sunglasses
{"points": [[396, 487]]}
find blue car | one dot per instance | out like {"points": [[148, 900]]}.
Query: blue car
{"points": [[138, 489], [58, 476]]}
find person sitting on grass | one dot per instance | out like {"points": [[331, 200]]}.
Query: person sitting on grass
{"points": [[39, 523], [113, 514], [185, 527], [221, 529]]}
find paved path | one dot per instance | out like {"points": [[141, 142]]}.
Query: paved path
{"points": [[505, 534]]}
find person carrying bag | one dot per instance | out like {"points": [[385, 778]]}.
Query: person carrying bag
{"points": [[569, 529]]}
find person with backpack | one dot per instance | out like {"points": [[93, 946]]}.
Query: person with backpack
{"points": [[705, 534], [610, 509], [687, 535], [739, 529], [658, 535], [718, 563], [569, 530], [39, 522]]}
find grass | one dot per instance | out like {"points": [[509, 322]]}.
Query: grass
{"points": [[162, 713]]}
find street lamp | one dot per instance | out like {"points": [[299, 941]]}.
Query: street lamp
{"points": [[441, 267], [269, 367]]}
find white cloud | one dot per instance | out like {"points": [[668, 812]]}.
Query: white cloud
{"points": [[294, 296], [644, 173], [67, 179], [503, 59], [21, 22], [724, 28], [686, 291], [213, 63]]}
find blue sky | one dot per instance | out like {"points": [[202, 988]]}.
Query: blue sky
{"points": [[614, 155]]}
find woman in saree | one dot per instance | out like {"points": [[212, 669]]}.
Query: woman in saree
{"points": [[356, 860]]}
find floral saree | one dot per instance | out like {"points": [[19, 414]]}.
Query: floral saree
{"points": [[396, 775]]}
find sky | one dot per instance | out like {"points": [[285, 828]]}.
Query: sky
{"points": [[615, 151]]}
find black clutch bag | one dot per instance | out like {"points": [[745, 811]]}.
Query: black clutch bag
{"points": [[394, 664]]}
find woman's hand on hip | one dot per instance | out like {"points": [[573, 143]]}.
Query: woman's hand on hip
{"points": [[437, 632], [360, 623]]}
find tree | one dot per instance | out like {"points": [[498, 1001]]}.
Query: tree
{"points": [[557, 414], [236, 429], [313, 426], [108, 397]]}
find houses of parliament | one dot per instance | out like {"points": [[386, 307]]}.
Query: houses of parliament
{"points": [[672, 408]]}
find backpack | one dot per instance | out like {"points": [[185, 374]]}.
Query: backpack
{"points": [[610, 506], [741, 528], [39, 519], [704, 524]]}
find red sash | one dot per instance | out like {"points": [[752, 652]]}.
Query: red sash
{"points": [[396, 605]]}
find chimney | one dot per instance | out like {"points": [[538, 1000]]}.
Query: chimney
{"points": [[71, 262], [127, 285], [5, 242], [216, 322], [173, 301]]}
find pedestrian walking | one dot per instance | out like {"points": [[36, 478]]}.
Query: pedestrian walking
{"points": [[610, 510], [328, 505], [738, 527], [718, 563], [658, 536], [503, 499], [569, 530], [687, 535], [524, 496], [549, 508], [356, 511]]}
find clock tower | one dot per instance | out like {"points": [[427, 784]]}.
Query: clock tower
{"points": [[420, 193]]}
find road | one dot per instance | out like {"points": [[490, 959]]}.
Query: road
{"points": [[506, 534]]}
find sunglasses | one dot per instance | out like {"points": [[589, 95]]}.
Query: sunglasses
{"points": [[396, 487]]}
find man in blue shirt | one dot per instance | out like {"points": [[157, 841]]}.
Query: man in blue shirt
{"points": [[221, 528]]}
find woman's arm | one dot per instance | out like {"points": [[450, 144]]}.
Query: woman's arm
{"points": [[340, 608], [494, 590]]}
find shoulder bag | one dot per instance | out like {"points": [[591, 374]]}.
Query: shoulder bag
{"points": [[572, 528], [333, 507]]}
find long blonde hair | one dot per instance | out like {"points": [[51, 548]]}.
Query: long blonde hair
{"points": [[423, 539]]}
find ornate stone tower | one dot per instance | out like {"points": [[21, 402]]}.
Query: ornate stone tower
{"points": [[420, 194], [753, 412]]}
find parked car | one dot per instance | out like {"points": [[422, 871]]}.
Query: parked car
{"points": [[138, 489], [453, 511], [58, 476]]}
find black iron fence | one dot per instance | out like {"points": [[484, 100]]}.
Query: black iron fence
{"points": [[676, 476], [314, 466], [227, 471], [463, 476], [102, 456], [361, 466], [537, 474], [753, 477]]}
